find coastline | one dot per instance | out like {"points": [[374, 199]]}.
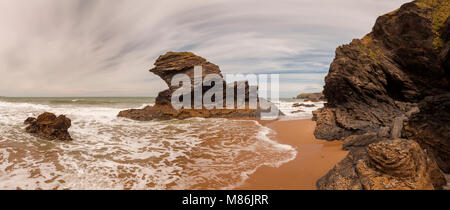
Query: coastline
{"points": [[314, 159]]}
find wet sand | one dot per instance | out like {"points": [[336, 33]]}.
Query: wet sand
{"points": [[314, 159]]}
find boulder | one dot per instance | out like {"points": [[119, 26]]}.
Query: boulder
{"points": [[50, 127], [343, 176]]}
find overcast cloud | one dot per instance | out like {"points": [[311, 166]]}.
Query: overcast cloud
{"points": [[105, 47]]}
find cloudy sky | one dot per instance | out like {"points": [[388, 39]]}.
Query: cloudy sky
{"points": [[105, 47]]}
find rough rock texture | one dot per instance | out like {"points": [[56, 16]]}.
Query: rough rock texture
{"points": [[388, 165], [431, 128], [302, 104], [50, 127], [313, 97], [360, 140], [172, 63], [390, 81], [393, 83]]}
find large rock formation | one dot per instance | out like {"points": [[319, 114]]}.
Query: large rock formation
{"points": [[394, 82], [431, 128], [388, 165], [174, 63], [50, 127]]}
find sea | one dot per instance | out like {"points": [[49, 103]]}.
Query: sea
{"points": [[110, 153]]}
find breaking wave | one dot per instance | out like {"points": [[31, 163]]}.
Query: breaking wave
{"points": [[117, 153]]}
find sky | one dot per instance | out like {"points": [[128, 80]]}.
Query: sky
{"points": [[106, 47]]}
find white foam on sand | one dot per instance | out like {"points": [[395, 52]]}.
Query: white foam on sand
{"points": [[117, 153]]}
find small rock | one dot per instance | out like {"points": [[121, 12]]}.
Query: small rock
{"points": [[387, 165], [360, 140], [50, 127]]}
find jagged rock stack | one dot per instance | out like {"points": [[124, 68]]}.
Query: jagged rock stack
{"points": [[50, 127], [173, 63], [393, 83]]}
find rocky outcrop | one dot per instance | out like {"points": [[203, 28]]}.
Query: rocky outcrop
{"points": [[387, 165], [174, 63], [312, 97], [395, 81], [50, 127], [360, 140]]}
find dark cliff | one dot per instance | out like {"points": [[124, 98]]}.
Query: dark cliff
{"points": [[394, 82]]}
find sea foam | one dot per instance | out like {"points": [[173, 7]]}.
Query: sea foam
{"points": [[118, 153]]}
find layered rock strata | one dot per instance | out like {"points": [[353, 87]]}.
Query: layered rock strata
{"points": [[393, 83], [184, 63], [50, 127]]}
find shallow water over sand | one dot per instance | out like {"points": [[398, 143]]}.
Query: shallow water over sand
{"points": [[116, 153]]}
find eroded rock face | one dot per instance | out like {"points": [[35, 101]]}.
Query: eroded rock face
{"points": [[50, 127], [173, 63], [303, 104], [381, 83], [387, 165], [383, 76]]}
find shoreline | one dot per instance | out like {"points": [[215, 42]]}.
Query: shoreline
{"points": [[314, 159]]}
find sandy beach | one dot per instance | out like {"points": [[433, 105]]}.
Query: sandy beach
{"points": [[314, 159]]}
